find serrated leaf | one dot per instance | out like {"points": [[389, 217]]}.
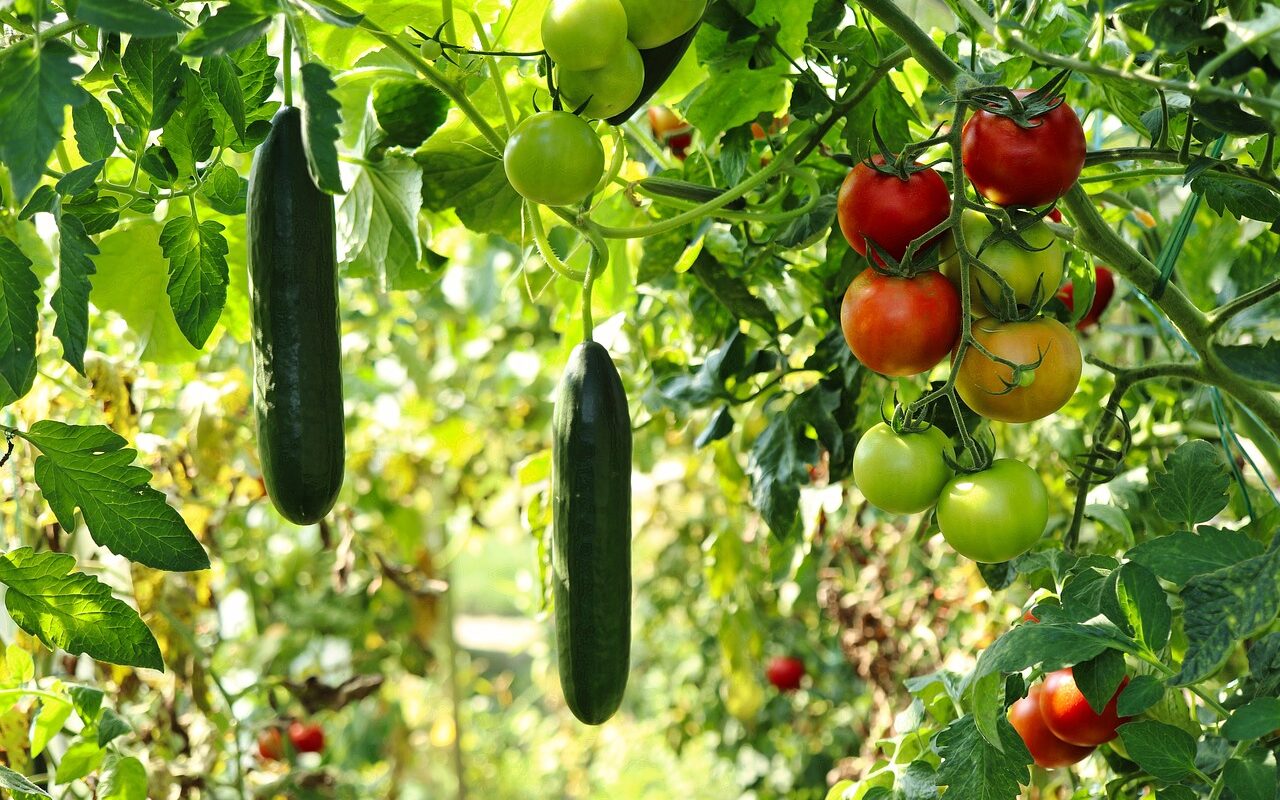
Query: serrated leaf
{"points": [[1141, 693], [218, 74], [19, 322], [95, 138], [974, 770], [465, 175], [1181, 556], [1237, 197], [90, 468], [49, 721], [198, 277], [1253, 720], [71, 300], [231, 27], [1166, 752], [74, 611], [1051, 644], [778, 467], [1193, 486], [36, 86], [188, 136], [79, 180], [225, 190], [124, 779], [321, 120], [99, 214], [129, 16], [378, 219], [987, 703], [87, 701], [44, 200], [1250, 778], [16, 782], [149, 90], [409, 111]]}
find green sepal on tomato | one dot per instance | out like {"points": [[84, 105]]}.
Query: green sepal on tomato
{"points": [[889, 210], [1033, 272], [901, 472], [1013, 165], [996, 514], [554, 158], [899, 326], [1053, 364], [1046, 749]]}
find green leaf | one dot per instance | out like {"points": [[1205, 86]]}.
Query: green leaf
{"points": [[1253, 720], [1166, 752], [50, 719], [732, 292], [198, 277], [150, 89], [1136, 602], [720, 426], [1193, 487], [99, 214], [111, 726], [1051, 644], [321, 119], [87, 701], [1141, 693], [36, 86], [233, 26], [1237, 197], [467, 176], [1181, 556], [71, 300], [1250, 779], [987, 702], [90, 468], [778, 466], [218, 74], [95, 138], [133, 17], [974, 770], [80, 180], [124, 779], [80, 759], [74, 611], [409, 111], [188, 135], [19, 322], [1258, 363], [378, 219], [1224, 607], [1099, 677], [328, 15], [1264, 667], [225, 190], [15, 781]]}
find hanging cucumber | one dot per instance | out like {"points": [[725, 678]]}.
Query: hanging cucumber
{"points": [[591, 541], [293, 291]]}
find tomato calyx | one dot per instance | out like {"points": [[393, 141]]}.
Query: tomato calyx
{"points": [[902, 164], [981, 455], [1023, 374], [1008, 226], [1024, 111]]}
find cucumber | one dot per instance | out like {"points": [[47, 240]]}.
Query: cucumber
{"points": [[659, 63], [591, 534], [293, 294]]}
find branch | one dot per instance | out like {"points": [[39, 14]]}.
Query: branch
{"points": [[930, 56], [1161, 154], [1219, 316]]}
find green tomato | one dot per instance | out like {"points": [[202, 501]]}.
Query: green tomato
{"points": [[1024, 270], [994, 515], [653, 23], [583, 34], [901, 473], [554, 158], [606, 91], [431, 50]]}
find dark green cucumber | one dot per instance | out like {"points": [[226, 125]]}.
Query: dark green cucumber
{"points": [[591, 539], [293, 293], [659, 63]]}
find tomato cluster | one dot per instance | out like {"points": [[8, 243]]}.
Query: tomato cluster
{"points": [[304, 737], [1057, 724]]}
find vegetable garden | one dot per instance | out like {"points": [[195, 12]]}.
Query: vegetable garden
{"points": [[639, 398]]}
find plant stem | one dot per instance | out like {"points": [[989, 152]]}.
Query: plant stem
{"points": [[288, 63], [495, 74], [1223, 313], [930, 56]]}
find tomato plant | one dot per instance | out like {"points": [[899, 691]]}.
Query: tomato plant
{"points": [[1046, 369], [995, 514], [670, 129], [1069, 716], [902, 473], [1024, 162], [584, 34], [1047, 750], [889, 210], [307, 737], [603, 92], [554, 158], [900, 326], [1031, 263]]}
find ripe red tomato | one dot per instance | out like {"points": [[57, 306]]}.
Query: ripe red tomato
{"points": [[1047, 750], [785, 673], [1055, 215], [900, 326], [1104, 290], [982, 383], [778, 124], [1014, 166], [270, 744], [889, 210], [307, 737], [1069, 716], [671, 130]]}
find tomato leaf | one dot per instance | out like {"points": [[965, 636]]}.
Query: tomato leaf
{"points": [[15, 781], [133, 17], [233, 26], [71, 301], [1099, 677], [409, 110], [1253, 720], [1237, 197], [1193, 486], [124, 779], [1141, 693], [972, 768], [36, 86], [1251, 778], [322, 116], [90, 468], [1181, 556], [95, 139], [19, 322], [198, 275], [1135, 601], [1166, 752], [188, 135], [732, 292], [467, 176], [81, 758]]}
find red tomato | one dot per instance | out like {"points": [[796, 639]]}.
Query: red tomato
{"points": [[271, 744], [307, 737], [671, 130], [1069, 716], [1047, 750], [778, 124], [1104, 290], [1029, 617], [900, 326], [1055, 215], [785, 673], [888, 210], [1014, 166]]}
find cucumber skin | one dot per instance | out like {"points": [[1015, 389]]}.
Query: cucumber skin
{"points": [[591, 534], [293, 298]]}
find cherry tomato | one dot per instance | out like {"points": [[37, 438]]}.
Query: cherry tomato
{"points": [[902, 473], [758, 133], [671, 130], [1055, 215], [583, 34], [554, 158], [996, 514], [270, 744], [785, 673], [900, 326], [1069, 716], [1014, 166], [653, 23], [1047, 750], [605, 91], [431, 50], [307, 737], [1033, 274], [983, 383], [888, 210], [1104, 289]]}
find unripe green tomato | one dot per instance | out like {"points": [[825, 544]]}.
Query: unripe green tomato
{"points": [[431, 50], [653, 23], [901, 473], [994, 515], [583, 34], [1044, 265], [554, 158], [606, 91]]}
